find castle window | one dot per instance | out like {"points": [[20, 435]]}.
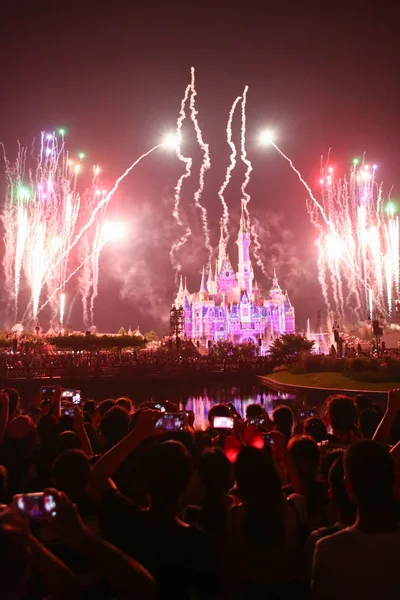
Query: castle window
{"points": [[227, 274], [220, 313]]}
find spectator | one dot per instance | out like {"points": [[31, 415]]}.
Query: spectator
{"points": [[345, 513], [70, 474], [114, 426], [305, 455], [316, 428], [104, 406], [362, 402], [215, 472], [368, 422], [283, 421], [254, 410], [14, 403], [157, 537], [341, 415], [365, 556], [264, 531]]}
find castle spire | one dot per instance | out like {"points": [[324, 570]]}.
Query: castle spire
{"points": [[244, 226], [275, 283], [210, 275], [185, 291], [221, 246], [203, 287], [180, 295]]}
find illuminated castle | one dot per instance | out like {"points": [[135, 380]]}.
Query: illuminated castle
{"points": [[229, 305]]}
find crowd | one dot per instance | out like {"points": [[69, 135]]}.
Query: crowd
{"points": [[32, 364], [102, 501]]}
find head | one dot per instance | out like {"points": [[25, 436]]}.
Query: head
{"points": [[368, 422], [114, 425], [66, 440], [369, 472], [283, 420], [125, 403], [218, 410], [342, 415], [304, 452], [256, 476], [23, 435], [90, 407], [13, 403], [316, 428], [105, 406], [362, 402], [328, 460], [168, 470], [70, 473], [215, 472], [337, 488], [254, 410]]}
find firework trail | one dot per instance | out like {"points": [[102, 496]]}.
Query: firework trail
{"points": [[230, 167], [95, 271], [104, 201], [176, 246], [246, 196], [205, 165], [74, 272], [85, 278]]}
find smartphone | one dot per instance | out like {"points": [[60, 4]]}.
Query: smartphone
{"points": [[67, 410], [257, 421], [67, 393], [35, 506], [306, 413], [223, 422], [268, 441], [159, 407], [173, 421], [76, 398], [47, 392]]}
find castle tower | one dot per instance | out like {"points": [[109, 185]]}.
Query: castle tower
{"points": [[245, 273], [221, 248], [210, 281], [180, 295]]}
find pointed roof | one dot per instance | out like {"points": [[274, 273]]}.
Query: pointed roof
{"points": [[203, 287], [244, 224], [210, 275], [185, 291], [180, 291], [255, 285]]}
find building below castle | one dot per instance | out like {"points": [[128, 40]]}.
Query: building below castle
{"points": [[229, 305]]}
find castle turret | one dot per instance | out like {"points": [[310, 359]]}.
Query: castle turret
{"points": [[245, 273], [203, 292], [180, 295], [221, 248], [210, 281]]}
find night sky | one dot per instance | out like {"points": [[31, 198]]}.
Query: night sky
{"points": [[321, 77]]}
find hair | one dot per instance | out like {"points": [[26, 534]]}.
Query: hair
{"points": [[338, 488], [305, 454], [90, 407], [114, 425], [259, 487], [125, 403], [370, 470], [70, 473], [283, 420], [316, 428], [13, 402], [168, 470], [105, 406], [342, 413], [368, 422], [254, 410], [215, 471], [218, 410]]}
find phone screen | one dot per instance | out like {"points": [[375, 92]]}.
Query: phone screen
{"points": [[223, 422], [48, 391], [67, 410], [36, 506], [268, 441], [306, 413], [67, 393], [172, 422], [257, 421], [76, 398]]}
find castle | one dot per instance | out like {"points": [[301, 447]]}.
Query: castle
{"points": [[229, 305]]}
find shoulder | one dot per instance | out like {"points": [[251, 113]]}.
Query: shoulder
{"points": [[332, 542], [299, 505]]}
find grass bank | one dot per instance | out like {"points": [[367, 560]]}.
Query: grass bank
{"points": [[335, 381]]}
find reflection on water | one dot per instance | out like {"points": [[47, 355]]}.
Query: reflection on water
{"points": [[200, 405]]}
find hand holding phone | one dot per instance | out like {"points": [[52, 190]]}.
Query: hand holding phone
{"points": [[172, 421], [35, 506], [307, 413]]}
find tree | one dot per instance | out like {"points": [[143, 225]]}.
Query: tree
{"points": [[289, 347]]}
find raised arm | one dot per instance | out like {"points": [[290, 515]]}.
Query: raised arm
{"points": [[393, 405]]}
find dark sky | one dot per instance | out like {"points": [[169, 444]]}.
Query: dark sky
{"points": [[322, 75]]}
